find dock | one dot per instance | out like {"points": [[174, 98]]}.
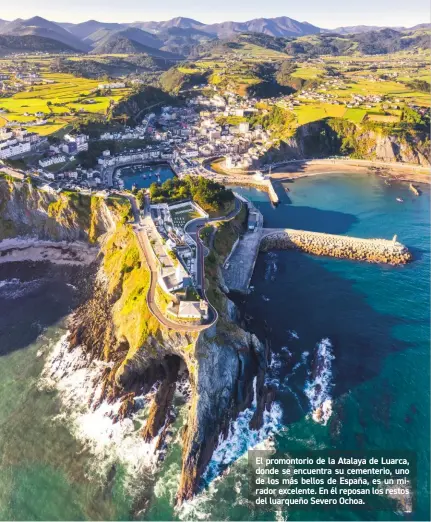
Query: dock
{"points": [[239, 266]]}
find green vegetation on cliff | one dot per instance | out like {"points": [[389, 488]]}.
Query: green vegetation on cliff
{"points": [[128, 283], [210, 195], [225, 235], [71, 208], [178, 78], [26, 209]]}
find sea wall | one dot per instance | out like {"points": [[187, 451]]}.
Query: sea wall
{"points": [[371, 250]]}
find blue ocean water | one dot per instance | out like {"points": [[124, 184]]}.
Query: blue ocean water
{"points": [[372, 319], [144, 176]]}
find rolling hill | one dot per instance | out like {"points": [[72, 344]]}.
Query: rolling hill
{"points": [[38, 26], [103, 35], [119, 43], [10, 44]]}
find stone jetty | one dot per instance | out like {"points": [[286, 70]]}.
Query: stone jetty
{"points": [[372, 250]]}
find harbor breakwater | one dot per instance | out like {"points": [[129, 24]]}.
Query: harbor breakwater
{"points": [[371, 250]]}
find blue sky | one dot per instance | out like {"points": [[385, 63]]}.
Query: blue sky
{"points": [[329, 13]]}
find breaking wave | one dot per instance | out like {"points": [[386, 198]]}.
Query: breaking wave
{"points": [[77, 380], [241, 438], [293, 334], [318, 389], [14, 288]]}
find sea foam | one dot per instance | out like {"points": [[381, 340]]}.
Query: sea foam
{"points": [[318, 390], [77, 381]]}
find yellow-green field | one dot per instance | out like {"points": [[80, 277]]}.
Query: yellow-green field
{"points": [[308, 112], [307, 73], [60, 101]]}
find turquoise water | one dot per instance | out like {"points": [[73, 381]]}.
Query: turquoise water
{"points": [[143, 177], [375, 317]]}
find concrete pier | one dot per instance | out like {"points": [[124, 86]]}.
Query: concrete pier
{"points": [[238, 268], [372, 250]]}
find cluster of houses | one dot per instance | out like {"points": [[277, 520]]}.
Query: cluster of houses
{"points": [[16, 142], [179, 275], [66, 150], [181, 134], [130, 133]]}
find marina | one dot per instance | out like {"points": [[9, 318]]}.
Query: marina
{"points": [[142, 176]]}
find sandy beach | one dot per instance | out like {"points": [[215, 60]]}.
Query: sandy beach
{"points": [[62, 253], [399, 171]]}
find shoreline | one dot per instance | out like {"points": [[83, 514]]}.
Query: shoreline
{"points": [[60, 253], [297, 169], [396, 171]]}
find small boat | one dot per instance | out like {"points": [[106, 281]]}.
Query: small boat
{"points": [[400, 200], [387, 182]]}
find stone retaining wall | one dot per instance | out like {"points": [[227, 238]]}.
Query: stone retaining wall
{"points": [[371, 250]]}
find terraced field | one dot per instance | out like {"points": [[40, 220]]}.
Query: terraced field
{"points": [[61, 101]]}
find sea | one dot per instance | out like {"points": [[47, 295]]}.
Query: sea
{"points": [[369, 325], [142, 176]]}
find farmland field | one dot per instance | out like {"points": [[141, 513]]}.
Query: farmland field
{"points": [[59, 101]]}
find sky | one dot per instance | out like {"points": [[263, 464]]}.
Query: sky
{"points": [[328, 14]]}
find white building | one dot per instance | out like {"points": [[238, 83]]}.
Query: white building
{"points": [[113, 85], [244, 127], [53, 160], [15, 150]]}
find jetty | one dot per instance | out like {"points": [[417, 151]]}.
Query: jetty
{"points": [[346, 247], [239, 266]]}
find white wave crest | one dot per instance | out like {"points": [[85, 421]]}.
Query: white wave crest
{"points": [[14, 288], [271, 267], [76, 379], [241, 438], [319, 389]]}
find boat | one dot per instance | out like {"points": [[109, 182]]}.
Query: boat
{"points": [[387, 182], [400, 200]]}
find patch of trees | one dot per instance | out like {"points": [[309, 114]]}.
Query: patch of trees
{"points": [[210, 195], [174, 80], [147, 97], [420, 85], [278, 120]]}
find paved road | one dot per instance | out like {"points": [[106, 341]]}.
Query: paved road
{"points": [[141, 228], [193, 228]]}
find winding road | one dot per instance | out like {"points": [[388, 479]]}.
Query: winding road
{"points": [[141, 227]]}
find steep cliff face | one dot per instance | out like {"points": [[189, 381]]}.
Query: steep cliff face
{"points": [[340, 137], [26, 210], [116, 325]]}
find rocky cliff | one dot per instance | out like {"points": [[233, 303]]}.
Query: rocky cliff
{"points": [[26, 210], [361, 141], [115, 325]]}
